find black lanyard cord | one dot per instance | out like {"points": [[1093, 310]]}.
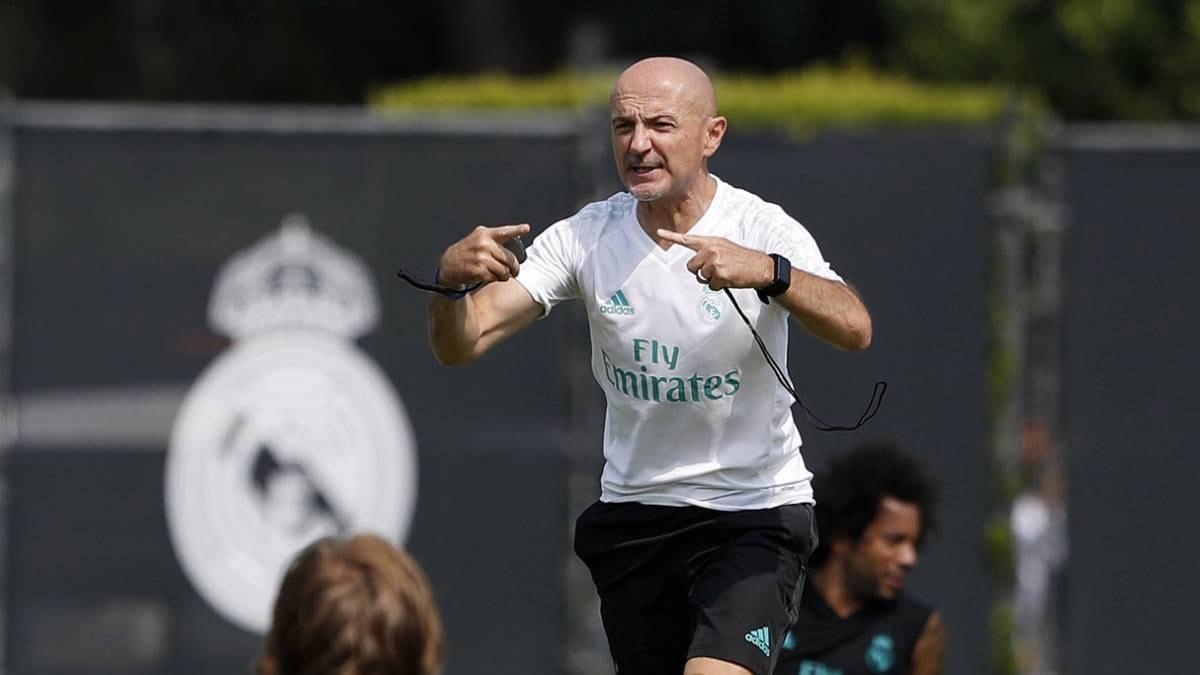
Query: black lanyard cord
{"points": [[872, 405], [514, 245], [434, 287]]}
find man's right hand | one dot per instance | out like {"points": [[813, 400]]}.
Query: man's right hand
{"points": [[461, 332], [480, 257]]}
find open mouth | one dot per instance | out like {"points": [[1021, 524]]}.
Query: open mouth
{"points": [[642, 170]]}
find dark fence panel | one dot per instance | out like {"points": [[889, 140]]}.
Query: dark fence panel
{"points": [[120, 231], [902, 217], [1130, 364]]}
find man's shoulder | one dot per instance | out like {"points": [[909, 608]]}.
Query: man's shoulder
{"points": [[744, 198], [594, 217], [615, 207], [593, 221], [912, 609], [754, 210], [909, 600]]}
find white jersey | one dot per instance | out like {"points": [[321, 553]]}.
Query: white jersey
{"points": [[695, 415]]}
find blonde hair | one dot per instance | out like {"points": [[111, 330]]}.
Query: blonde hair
{"points": [[353, 607]]}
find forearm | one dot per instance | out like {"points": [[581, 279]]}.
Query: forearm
{"points": [[453, 329], [829, 310], [461, 331]]}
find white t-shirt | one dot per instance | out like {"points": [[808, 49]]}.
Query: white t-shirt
{"points": [[695, 415]]}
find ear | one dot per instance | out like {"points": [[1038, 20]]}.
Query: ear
{"points": [[714, 132]]}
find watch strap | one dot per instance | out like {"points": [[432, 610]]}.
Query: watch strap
{"points": [[781, 282]]}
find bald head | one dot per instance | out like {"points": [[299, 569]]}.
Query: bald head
{"points": [[680, 81], [664, 128]]}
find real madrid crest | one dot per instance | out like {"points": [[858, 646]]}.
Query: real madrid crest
{"points": [[291, 434], [881, 655], [711, 307]]}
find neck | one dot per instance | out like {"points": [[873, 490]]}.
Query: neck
{"points": [[678, 214], [830, 580]]}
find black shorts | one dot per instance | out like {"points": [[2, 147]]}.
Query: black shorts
{"points": [[677, 582]]}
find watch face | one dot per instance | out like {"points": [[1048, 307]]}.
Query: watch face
{"points": [[783, 276]]}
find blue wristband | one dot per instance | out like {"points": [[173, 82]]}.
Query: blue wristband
{"points": [[437, 271]]}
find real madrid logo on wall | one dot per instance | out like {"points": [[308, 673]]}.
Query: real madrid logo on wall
{"points": [[291, 434]]}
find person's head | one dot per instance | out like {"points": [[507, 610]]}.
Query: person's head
{"points": [[353, 607], [664, 127], [875, 509]]}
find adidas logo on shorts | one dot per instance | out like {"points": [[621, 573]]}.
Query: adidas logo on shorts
{"points": [[761, 638]]}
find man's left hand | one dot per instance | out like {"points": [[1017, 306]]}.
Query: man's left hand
{"points": [[723, 264]]}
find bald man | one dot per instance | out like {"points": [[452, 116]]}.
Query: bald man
{"points": [[699, 541]]}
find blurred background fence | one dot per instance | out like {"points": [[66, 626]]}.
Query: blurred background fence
{"points": [[117, 219], [1129, 402]]}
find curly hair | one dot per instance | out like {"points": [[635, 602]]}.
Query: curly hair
{"points": [[353, 607], [854, 483]]}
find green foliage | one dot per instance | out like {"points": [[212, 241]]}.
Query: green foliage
{"points": [[853, 96], [953, 39], [495, 91], [848, 96], [1097, 59], [1003, 366], [1002, 626], [1001, 549]]}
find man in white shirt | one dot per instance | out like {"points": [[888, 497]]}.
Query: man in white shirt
{"points": [[699, 541]]}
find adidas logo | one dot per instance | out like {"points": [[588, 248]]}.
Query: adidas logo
{"points": [[761, 638], [617, 304]]}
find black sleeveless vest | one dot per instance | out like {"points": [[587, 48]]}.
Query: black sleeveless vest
{"points": [[878, 639]]}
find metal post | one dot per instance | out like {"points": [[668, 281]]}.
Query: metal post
{"points": [[1039, 512], [1027, 531], [8, 431]]}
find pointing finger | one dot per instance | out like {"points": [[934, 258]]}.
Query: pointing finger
{"points": [[505, 232], [677, 238], [692, 241]]}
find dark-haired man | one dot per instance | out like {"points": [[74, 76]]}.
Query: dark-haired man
{"points": [[875, 509]]}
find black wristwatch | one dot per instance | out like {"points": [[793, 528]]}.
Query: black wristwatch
{"points": [[781, 282]]}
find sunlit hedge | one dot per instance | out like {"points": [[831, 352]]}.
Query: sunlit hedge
{"points": [[800, 100]]}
